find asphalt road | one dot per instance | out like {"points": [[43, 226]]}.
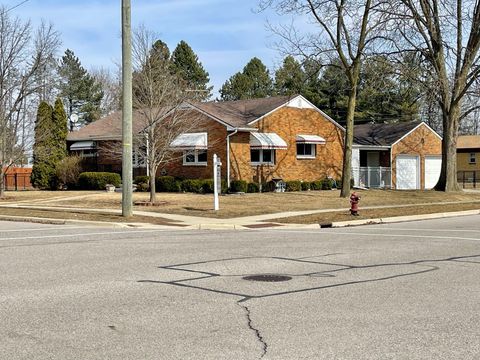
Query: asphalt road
{"points": [[399, 291]]}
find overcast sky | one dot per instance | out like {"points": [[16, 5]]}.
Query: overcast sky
{"points": [[225, 34]]}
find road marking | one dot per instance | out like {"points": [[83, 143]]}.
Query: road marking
{"points": [[58, 227], [446, 230], [86, 234], [319, 232]]}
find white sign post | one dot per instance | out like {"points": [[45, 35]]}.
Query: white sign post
{"points": [[217, 180]]}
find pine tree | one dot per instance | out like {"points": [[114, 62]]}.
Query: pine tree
{"points": [[43, 169], [253, 82], [290, 79], [50, 146], [80, 92], [186, 64], [59, 131]]}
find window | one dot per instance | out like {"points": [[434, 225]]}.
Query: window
{"points": [[262, 156], [195, 157], [473, 159], [305, 151]]}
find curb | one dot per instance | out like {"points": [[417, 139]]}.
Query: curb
{"points": [[52, 221], [397, 219]]}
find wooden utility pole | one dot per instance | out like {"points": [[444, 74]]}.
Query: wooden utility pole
{"points": [[127, 173]]}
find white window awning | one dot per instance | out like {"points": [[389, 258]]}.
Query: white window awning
{"points": [[82, 145], [190, 141], [266, 141], [311, 139]]}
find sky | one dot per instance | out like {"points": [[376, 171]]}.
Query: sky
{"points": [[225, 34]]}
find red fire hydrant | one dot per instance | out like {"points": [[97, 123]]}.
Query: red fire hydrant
{"points": [[354, 198]]}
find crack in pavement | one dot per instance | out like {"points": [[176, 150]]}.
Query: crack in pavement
{"points": [[258, 335]]}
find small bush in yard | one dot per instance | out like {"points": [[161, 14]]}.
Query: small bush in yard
{"points": [[207, 186], [238, 186], [305, 186], [316, 185], [253, 188], [142, 182], [293, 185], [167, 184], [98, 180], [327, 184], [192, 185], [67, 171]]}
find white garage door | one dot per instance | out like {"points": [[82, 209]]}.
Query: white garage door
{"points": [[407, 172], [433, 165]]}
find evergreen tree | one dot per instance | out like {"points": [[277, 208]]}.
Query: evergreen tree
{"points": [[81, 93], [59, 131], [186, 64], [253, 82], [43, 169], [50, 146], [290, 79]]}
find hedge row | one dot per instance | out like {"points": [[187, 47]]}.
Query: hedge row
{"points": [[98, 180]]}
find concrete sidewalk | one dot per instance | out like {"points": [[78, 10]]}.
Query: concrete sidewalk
{"points": [[246, 222]]}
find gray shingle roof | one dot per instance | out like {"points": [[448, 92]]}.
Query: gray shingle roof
{"points": [[381, 134], [241, 112]]}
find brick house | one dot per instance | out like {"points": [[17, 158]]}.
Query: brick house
{"points": [[398, 156], [257, 140], [276, 138], [468, 160]]}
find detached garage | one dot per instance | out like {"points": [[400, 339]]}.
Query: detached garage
{"points": [[403, 156]]}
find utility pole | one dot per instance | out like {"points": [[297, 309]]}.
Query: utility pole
{"points": [[127, 175]]}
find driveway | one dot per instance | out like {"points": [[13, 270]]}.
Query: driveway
{"points": [[399, 291]]}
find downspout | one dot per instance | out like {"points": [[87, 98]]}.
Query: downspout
{"points": [[228, 156]]}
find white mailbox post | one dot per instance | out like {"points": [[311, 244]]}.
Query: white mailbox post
{"points": [[217, 180]]}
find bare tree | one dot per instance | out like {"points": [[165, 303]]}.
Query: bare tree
{"points": [[24, 55], [158, 98], [111, 87], [447, 34], [347, 30]]}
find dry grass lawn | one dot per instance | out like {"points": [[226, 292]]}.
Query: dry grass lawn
{"points": [[249, 204]]}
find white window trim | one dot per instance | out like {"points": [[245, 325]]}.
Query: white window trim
{"points": [[470, 158], [261, 157], [196, 163], [313, 156]]}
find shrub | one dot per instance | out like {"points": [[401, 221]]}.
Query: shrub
{"points": [[253, 188], [269, 186], [316, 185], [238, 186], [192, 185], [207, 186], [293, 185], [327, 184], [167, 184], [142, 182], [67, 171], [306, 186], [98, 180]]}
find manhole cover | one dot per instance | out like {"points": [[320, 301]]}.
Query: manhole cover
{"points": [[267, 278]]}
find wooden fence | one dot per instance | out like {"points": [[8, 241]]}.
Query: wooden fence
{"points": [[17, 179]]}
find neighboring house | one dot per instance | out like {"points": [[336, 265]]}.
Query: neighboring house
{"points": [[279, 138], [399, 156], [257, 140], [468, 160]]}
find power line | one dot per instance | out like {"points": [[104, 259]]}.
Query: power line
{"points": [[16, 6]]}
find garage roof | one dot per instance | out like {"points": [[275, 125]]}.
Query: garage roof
{"points": [[382, 134]]}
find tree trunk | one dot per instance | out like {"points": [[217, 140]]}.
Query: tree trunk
{"points": [[348, 142], [153, 191], [448, 175], [2, 182]]}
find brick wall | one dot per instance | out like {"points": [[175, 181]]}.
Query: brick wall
{"points": [[420, 142], [217, 144], [288, 123]]}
